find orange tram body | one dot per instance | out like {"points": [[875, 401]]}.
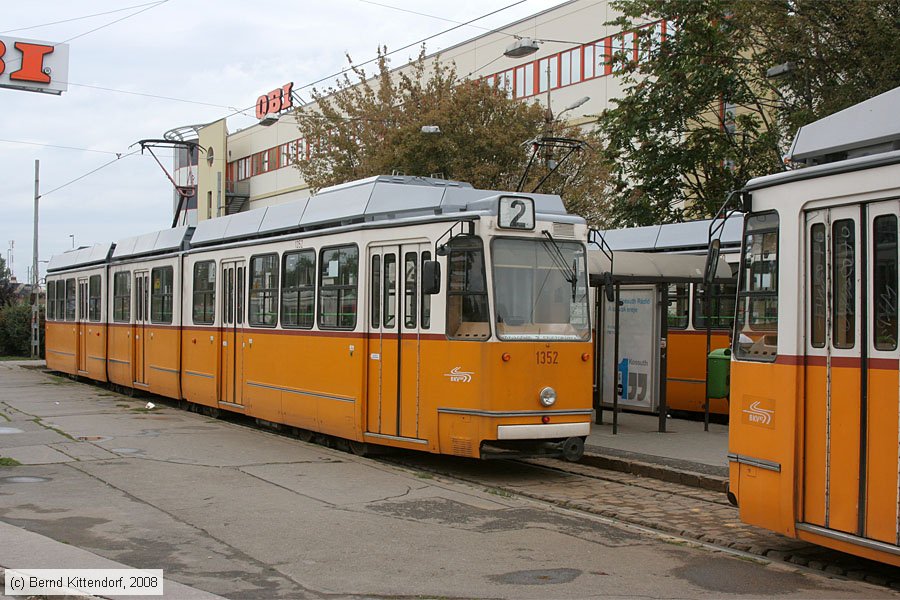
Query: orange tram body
{"points": [[398, 311], [813, 441]]}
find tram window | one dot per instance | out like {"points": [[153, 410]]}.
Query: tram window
{"points": [[204, 293], [885, 282], [817, 285], [94, 298], [122, 297], [410, 266], [338, 272], [298, 289], [70, 299], [756, 324], [162, 289], [425, 317], [843, 281], [679, 304], [376, 291], [51, 300], [721, 305], [467, 299], [390, 290], [263, 291]]}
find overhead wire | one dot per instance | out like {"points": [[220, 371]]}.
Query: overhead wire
{"points": [[100, 14], [80, 177]]}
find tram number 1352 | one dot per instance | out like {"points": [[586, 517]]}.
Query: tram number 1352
{"points": [[547, 357]]}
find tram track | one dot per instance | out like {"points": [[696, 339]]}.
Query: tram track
{"points": [[677, 512]]}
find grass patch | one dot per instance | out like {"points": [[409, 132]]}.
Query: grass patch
{"points": [[54, 429], [499, 492], [2, 414], [424, 475], [6, 461], [11, 358]]}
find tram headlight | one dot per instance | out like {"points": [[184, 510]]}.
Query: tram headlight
{"points": [[548, 396]]}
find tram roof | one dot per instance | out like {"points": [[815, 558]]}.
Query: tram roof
{"points": [[384, 197], [155, 242], [870, 127], [79, 257], [648, 267], [672, 237]]}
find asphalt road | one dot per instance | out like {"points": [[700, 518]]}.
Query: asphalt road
{"points": [[244, 513]]}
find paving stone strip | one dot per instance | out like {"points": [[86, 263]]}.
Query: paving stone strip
{"points": [[680, 510]]}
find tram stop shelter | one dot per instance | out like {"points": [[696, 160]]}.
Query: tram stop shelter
{"points": [[630, 347]]}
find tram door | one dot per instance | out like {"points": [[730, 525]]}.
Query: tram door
{"points": [[141, 320], [82, 325], [394, 344], [231, 356], [851, 457]]}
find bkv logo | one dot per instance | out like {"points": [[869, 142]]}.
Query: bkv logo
{"points": [[756, 414], [456, 374]]}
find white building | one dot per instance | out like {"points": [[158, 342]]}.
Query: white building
{"points": [[253, 167]]}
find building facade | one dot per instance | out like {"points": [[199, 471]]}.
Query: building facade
{"points": [[253, 167]]}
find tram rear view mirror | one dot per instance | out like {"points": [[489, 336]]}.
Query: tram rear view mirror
{"points": [[608, 287], [431, 277], [712, 262]]}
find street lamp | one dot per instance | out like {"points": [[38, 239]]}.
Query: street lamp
{"points": [[72, 235], [528, 46]]}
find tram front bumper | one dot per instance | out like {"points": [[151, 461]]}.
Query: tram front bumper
{"points": [[548, 431]]}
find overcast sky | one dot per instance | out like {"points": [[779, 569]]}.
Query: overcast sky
{"points": [[210, 54]]}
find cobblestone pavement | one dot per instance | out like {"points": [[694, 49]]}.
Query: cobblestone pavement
{"points": [[687, 512]]}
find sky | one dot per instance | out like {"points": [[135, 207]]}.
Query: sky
{"points": [[146, 67]]}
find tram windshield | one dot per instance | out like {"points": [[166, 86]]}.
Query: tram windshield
{"points": [[541, 290]]}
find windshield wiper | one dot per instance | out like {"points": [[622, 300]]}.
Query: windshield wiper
{"points": [[569, 273]]}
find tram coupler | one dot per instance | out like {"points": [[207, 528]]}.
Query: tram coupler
{"points": [[572, 449]]}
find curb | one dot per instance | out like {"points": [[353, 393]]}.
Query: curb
{"points": [[655, 471]]}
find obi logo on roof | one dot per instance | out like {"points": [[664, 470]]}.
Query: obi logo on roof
{"points": [[275, 101], [34, 66]]}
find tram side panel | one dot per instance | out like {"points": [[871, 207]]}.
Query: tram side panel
{"points": [[686, 371], [61, 331], [156, 331], [120, 311], [202, 309]]}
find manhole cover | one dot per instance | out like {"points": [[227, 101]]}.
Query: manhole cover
{"points": [[92, 438], [127, 450], [24, 479], [8, 430]]}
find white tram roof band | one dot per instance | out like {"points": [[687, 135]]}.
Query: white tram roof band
{"points": [[378, 198], [80, 257], [673, 237], [383, 198], [642, 267]]}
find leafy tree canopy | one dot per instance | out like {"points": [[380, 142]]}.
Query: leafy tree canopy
{"points": [[670, 139], [371, 124], [7, 288]]}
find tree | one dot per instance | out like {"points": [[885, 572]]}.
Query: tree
{"points": [[7, 288], [699, 117], [372, 125]]}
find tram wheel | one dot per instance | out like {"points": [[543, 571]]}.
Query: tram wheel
{"points": [[359, 448], [573, 449], [211, 412], [304, 435]]}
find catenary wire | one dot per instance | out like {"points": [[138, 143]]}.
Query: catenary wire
{"points": [[100, 14]]}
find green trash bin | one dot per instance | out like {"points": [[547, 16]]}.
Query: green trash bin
{"points": [[718, 378]]}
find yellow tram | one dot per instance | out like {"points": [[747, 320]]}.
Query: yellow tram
{"points": [[399, 311], [814, 374]]}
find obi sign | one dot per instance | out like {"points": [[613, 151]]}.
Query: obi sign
{"points": [[275, 101], [34, 66]]}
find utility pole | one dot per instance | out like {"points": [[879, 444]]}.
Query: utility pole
{"points": [[35, 276]]}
